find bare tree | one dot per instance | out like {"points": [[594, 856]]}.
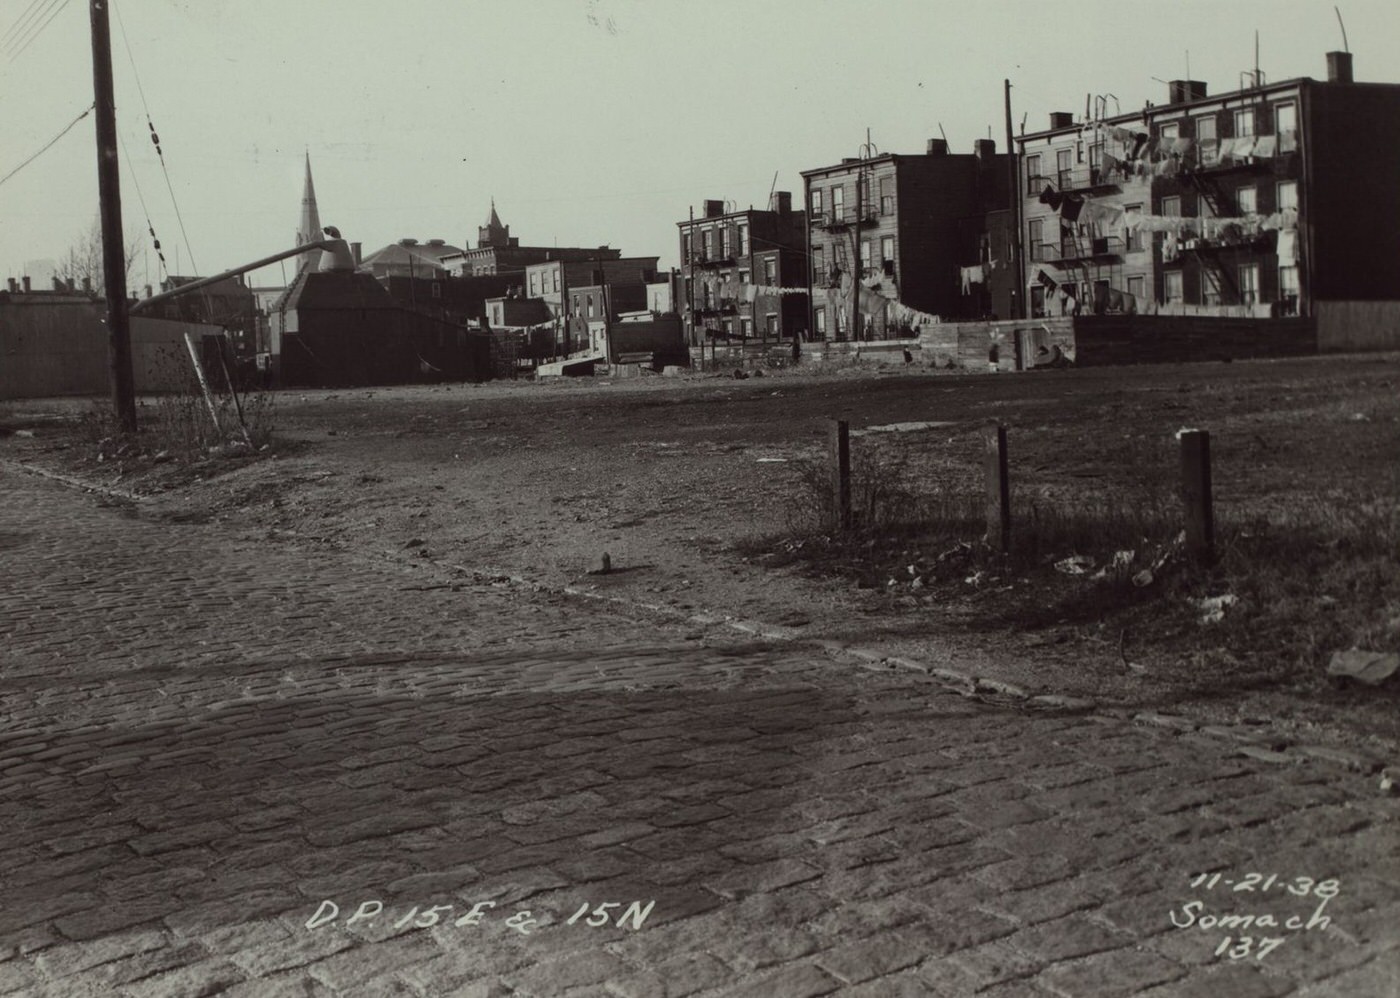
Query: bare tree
{"points": [[83, 264]]}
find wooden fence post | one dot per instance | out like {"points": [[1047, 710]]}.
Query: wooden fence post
{"points": [[1195, 491], [841, 473], [998, 489]]}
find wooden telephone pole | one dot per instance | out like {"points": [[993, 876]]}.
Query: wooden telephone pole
{"points": [[110, 203]]}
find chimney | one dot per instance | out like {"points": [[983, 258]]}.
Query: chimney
{"points": [[713, 209], [14, 286], [148, 291], [408, 242], [355, 251], [1184, 91], [87, 284], [25, 279], [1061, 119], [985, 148], [1339, 67], [781, 202], [58, 284], [937, 147]]}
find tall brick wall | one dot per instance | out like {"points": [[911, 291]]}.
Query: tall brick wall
{"points": [[1150, 339]]}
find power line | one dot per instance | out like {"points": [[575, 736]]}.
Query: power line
{"points": [[51, 141], [165, 269], [40, 31], [19, 21], [155, 140]]}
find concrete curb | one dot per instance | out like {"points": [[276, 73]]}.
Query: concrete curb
{"points": [[70, 481]]}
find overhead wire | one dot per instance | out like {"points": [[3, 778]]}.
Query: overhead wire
{"points": [[18, 23], [155, 138], [56, 11], [155, 241], [66, 130]]}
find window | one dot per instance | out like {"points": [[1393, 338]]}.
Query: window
{"points": [[1095, 160], [1135, 287], [534, 285], [1248, 200], [1204, 127], [863, 190], [1034, 182], [1210, 288], [1062, 165], [840, 323], [1244, 122], [743, 277], [590, 304], [1287, 195], [865, 263], [1171, 287], [746, 328], [1169, 130], [819, 274], [770, 323], [1249, 283], [744, 240], [1285, 118], [770, 270], [838, 202], [1035, 232], [887, 195], [437, 290], [556, 279], [1131, 213], [724, 243], [819, 320], [1171, 206], [887, 249], [814, 203], [1288, 288], [687, 295], [685, 247]]}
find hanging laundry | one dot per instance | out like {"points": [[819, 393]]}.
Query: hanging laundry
{"points": [[1069, 211], [1244, 147], [1264, 146], [1208, 152], [1227, 148], [1169, 247], [1051, 197], [1046, 281]]}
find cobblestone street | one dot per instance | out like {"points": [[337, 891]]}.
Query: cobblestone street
{"points": [[234, 765]]}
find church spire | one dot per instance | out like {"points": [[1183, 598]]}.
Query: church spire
{"points": [[310, 228]]}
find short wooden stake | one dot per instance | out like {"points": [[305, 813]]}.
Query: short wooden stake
{"points": [[1195, 491], [203, 383], [841, 473], [998, 489]]}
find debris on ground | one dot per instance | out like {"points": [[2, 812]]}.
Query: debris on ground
{"points": [[1369, 667], [1077, 564], [1213, 607]]}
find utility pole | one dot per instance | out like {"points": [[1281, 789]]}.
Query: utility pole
{"points": [[110, 203], [1018, 278]]}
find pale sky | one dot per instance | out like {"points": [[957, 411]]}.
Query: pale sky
{"points": [[588, 121]]}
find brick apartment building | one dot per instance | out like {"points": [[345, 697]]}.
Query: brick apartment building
{"points": [[743, 273], [1260, 201], [889, 229], [498, 252]]}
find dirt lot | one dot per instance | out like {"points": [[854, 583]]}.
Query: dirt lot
{"points": [[693, 488]]}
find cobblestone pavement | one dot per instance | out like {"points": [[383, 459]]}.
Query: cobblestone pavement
{"points": [[234, 766]]}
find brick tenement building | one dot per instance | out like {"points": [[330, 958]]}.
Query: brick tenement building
{"points": [[498, 252], [1260, 201], [902, 226], [743, 273]]}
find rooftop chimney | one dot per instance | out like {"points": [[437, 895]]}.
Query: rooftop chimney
{"points": [[985, 148], [25, 280], [408, 242], [87, 284], [1184, 91], [1339, 67], [937, 147], [1061, 119], [14, 285], [714, 209], [356, 251], [781, 202]]}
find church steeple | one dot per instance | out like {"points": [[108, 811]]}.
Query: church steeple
{"points": [[493, 233], [310, 229]]}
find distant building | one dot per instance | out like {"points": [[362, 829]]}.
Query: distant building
{"points": [[1261, 201], [893, 234], [743, 273], [410, 258], [229, 303], [498, 252]]}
